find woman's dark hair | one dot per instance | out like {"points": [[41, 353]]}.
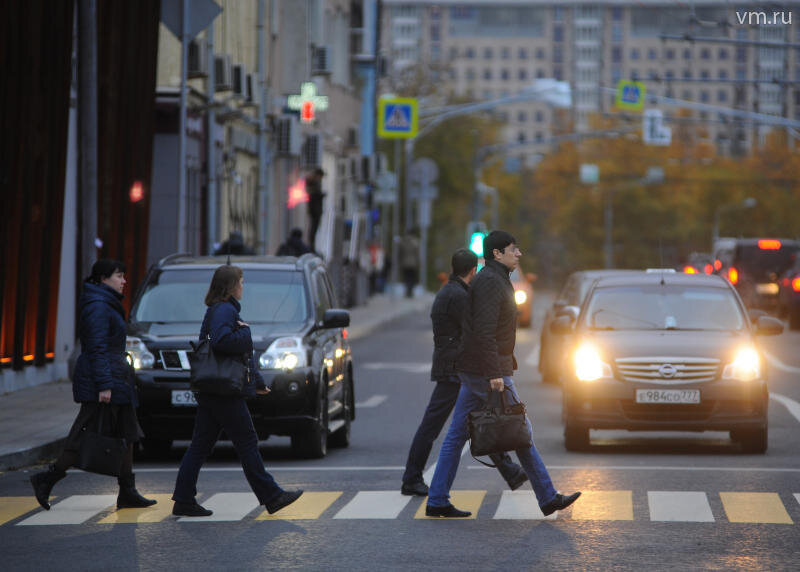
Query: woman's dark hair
{"points": [[498, 239], [463, 261], [104, 268], [223, 284]]}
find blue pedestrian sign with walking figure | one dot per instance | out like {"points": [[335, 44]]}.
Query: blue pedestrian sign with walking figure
{"points": [[630, 95], [397, 118]]}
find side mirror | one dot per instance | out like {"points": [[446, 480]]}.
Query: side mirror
{"points": [[755, 314], [531, 277], [335, 318], [768, 326], [561, 325], [570, 311]]}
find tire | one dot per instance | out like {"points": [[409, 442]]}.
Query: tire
{"points": [[794, 318], [341, 438], [754, 441], [156, 448], [576, 438], [313, 442]]}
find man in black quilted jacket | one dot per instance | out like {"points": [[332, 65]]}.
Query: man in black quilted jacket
{"points": [[487, 363], [446, 315]]}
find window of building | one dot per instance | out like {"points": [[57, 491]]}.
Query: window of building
{"points": [[616, 54], [435, 36], [669, 54], [722, 95], [705, 54], [470, 74], [558, 73], [722, 53], [522, 117], [487, 73], [616, 13], [652, 54], [539, 137], [504, 93], [539, 116], [723, 74], [558, 33], [558, 14], [635, 53], [558, 54], [652, 74], [616, 74], [453, 53], [687, 74], [523, 53], [522, 74], [521, 137], [540, 55], [470, 53], [505, 53], [741, 73], [487, 94], [634, 74], [670, 74], [453, 74], [705, 74], [741, 54], [488, 53], [686, 94], [687, 54], [505, 74], [616, 33], [704, 96], [539, 73], [741, 33]]}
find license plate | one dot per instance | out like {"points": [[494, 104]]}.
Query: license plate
{"points": [[183, 398], [667, 396], [770, 289]]}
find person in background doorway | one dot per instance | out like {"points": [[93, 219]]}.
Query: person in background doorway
{"points": [[315, 199], [408, 252], [294, 245]]}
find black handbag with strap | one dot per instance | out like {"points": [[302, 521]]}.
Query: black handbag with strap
{"points": [[500, 426], [218, 374], [100, 452]]}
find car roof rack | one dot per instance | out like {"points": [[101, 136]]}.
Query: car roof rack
{"points": [[657, 270]]}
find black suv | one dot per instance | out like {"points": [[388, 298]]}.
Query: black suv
{"points": [[299, 339]]}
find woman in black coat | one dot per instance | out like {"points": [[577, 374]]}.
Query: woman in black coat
{"points": [[230, 336], [102, 383]]}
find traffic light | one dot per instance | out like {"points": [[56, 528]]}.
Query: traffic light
{"points": [[476, 243]]}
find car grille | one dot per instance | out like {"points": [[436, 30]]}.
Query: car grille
{"points": [[667, 370], [673, 412], [175, 360]]}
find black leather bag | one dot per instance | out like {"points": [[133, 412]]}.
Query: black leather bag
{"points": [[99, 452], [498, 427], [217, 374]]}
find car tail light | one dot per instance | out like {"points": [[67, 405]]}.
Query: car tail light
{"points": [[769, 244], [796, 283], [733, 275], [717, 264], [689, 269], [708, 269]]}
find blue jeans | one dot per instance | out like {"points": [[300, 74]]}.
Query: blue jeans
{"points": [[215, 413], [474, 395]]}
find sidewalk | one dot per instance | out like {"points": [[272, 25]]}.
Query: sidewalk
{"points": [[34, 422]]}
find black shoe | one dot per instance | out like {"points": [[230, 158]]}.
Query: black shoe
{"points": [[283, 500], [559, 503], [419, 489], [448, 511], [517, 481], [43, 483], [129, 497], [190, 509]]}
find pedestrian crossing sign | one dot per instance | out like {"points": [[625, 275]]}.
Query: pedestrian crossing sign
{"points": [[630, 95], [397, 118]]}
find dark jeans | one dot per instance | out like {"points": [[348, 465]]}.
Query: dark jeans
{"points": [[215, 413], [410, 280], [442, 401]]}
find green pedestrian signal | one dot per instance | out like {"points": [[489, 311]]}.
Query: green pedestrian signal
{"points": [[476, 243]]}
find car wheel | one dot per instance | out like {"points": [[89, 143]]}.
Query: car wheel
{"points": [[576, 438], [794, 319], [341, 438], [156, 448], [313, 442], [753, 441]]}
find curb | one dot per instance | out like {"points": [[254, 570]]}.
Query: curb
{"points": [[38, 455], [393, 313]]}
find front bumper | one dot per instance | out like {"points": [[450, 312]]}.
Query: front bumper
{"points": [[288, 408], [611, 404]]}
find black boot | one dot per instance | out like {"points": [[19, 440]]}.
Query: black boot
{"points": [[128, 496], [43, 483]]}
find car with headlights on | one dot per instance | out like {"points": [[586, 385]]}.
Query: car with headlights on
{"points": [[523, 296], [299, 337], [666, 351]]}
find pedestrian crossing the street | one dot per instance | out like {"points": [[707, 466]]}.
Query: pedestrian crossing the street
{"points": [[594, 505]]}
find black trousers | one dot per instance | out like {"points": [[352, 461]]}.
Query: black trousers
{"points": [[441, 404]]}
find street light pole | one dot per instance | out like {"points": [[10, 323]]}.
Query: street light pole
{"points": [[608, 244]]}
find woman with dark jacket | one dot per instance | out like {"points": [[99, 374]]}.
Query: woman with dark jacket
{"points": [[102, 383], [229, 336]]}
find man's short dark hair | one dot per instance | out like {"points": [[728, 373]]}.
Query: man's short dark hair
{"points": [[498, 239], [463, 261]]}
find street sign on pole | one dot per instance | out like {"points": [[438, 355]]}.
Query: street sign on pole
{"points": [[589, 174], [653, 130], [397, 118], [423, 171], [630, 95]]}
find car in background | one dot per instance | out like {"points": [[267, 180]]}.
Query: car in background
{"points": [[753, 266], [523, 296], [789, 295], [552, 346], [699, 263], [660, 351], [299, 338]]}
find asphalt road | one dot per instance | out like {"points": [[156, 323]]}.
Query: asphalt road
{"points": [[654, 501]]}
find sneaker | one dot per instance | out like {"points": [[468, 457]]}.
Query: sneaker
{"points": [[559, 503], [190, 509], [283, 500], [419, 489], [448, 511]]}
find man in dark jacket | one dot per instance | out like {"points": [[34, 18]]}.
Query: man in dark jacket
{"points": [[315, 199], [294, 245], [446, 315], [487, 363]]}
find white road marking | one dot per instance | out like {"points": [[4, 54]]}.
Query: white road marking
{"points": [[427, 476], [373, 401], [520, 505], [679, 506], [790, 404], [797, 497], [374, 504], [227, 507], [76, 509], [533, 359], [659, 468], [399, 366], [775, 362]]}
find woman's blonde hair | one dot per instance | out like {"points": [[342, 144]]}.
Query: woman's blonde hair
{"points": [[223, 284]]}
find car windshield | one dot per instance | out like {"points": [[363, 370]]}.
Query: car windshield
{"points": [[667, 307], [270, 296]]}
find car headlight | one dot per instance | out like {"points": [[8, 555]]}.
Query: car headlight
{"points": [[137, 353], [589, 366], [746, 365], [520, 297], [284, 353]]}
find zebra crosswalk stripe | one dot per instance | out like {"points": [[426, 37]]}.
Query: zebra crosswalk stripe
{"points": [[310, 506], [520, 505], [604, 505], [156, 513], [14, 507], [226, 507], [76, 509], [374, 504], [679, 506], [755, 507]]}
